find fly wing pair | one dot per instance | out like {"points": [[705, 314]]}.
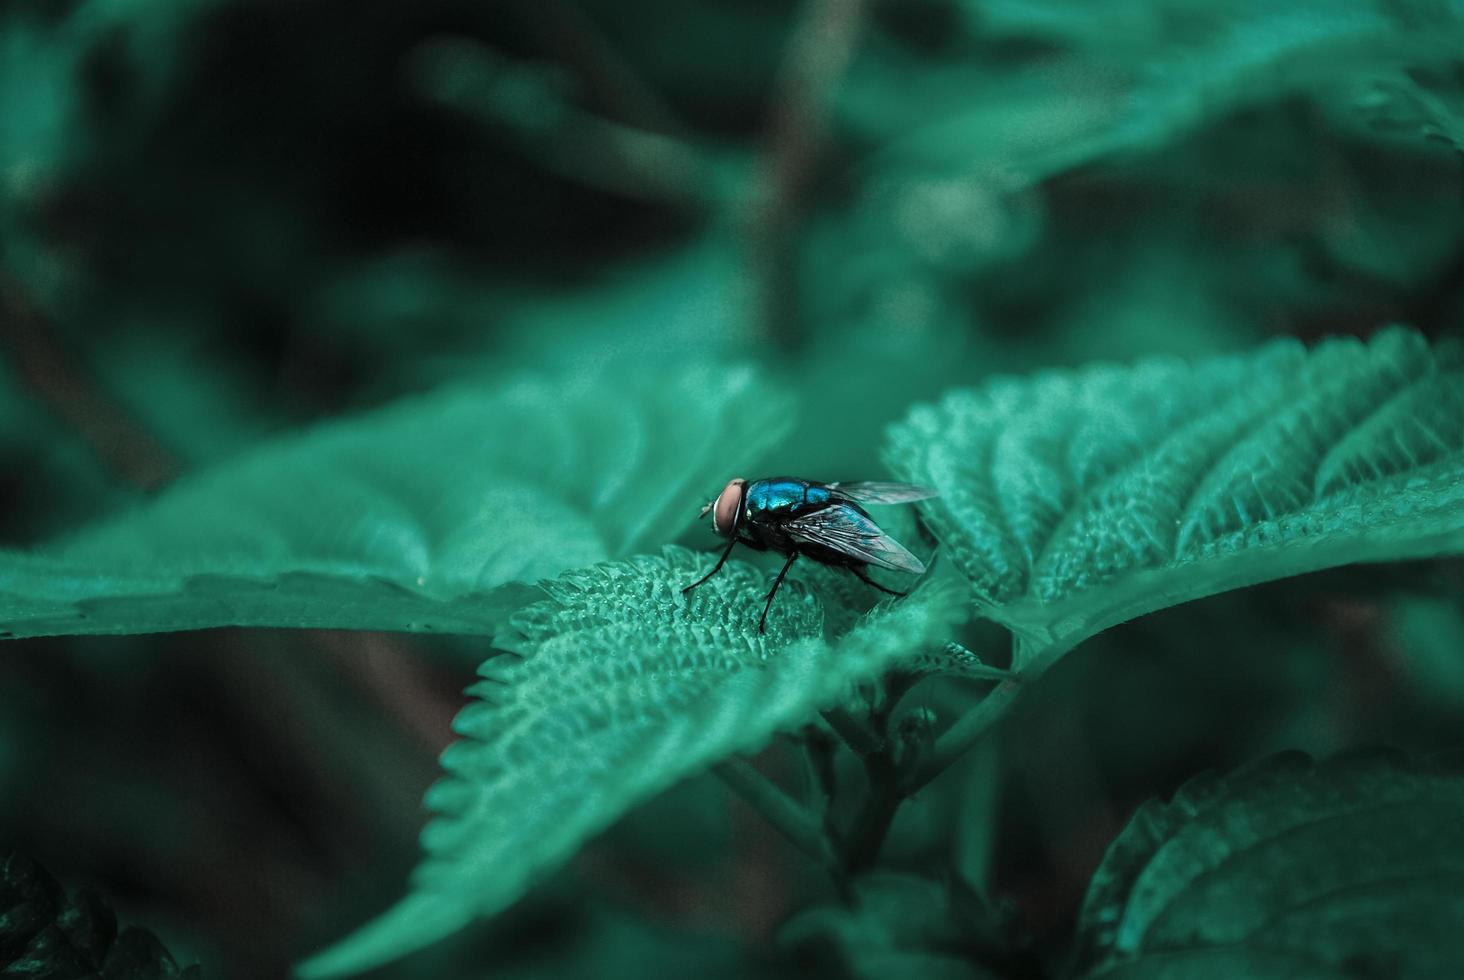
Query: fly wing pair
{"points": [[848, 531]]}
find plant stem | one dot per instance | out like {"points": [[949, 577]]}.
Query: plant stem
{"points": [[872, 823], [889, 782], [792, 820], [884, 794], [855, 733], [609, 78], [892, 689], [966, 732], [820, 50], [60, 379], [822, 774]]}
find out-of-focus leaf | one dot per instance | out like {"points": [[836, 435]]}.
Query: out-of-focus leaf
{"points": [[689, 302], [624, 687], [1427, 635], [43, 933], [1141, 75], [1192, 61], [1077, 500], [37, 104], [613, 942], [413, 517], [47, 121], [1420, 104], [898, 927], [1286, 869]]}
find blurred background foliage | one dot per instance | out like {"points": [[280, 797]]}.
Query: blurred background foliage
{"points": [[223, 219]]}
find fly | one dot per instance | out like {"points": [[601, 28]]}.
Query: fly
{"points": [[823, 521]]}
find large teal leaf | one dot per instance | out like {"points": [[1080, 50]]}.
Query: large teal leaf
{"points": [[1287, 869], [1077, 500], [415, 517], [620, 686]]}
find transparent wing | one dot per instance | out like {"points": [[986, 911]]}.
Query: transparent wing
{"points": [[849, 532], [882, 493]]}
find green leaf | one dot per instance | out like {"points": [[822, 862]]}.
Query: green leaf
{"points": [[1424, 638], [898, 926], [43, 933], [49, 125], [1189, 63], [1419, 103], [1353, 867], [621, 686], [419, 516], [1077, 500], [604, 940]]}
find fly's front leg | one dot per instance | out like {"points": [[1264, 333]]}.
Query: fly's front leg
{"points": [[715, 568], [763, 622]]}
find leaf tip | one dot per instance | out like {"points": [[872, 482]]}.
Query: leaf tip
{"points": [[414, 923]]}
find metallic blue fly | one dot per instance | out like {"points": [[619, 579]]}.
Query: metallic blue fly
{"points": [[823, 521]]}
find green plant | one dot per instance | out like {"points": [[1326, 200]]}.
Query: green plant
{"points": [[1069, 501], [354, 353]]}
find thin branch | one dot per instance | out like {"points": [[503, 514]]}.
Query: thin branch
{"points": [[871, 824], [526, 102], [884, 793], [863, 740], [969, 729], [613, 82], [818, 765], [823, 44], [818, 56], [383, 668], [897, 684], [790, 818], [625, 160], [62, 381]]}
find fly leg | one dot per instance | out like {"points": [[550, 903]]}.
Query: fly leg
{"points": [[715, 568], [762, 623], [869, 581]]}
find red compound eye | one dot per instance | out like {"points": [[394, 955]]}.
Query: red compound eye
{"points": [[724, 512]]}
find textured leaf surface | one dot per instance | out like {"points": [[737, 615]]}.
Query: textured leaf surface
{"points": [[1287, 869], [408, 518], [620, 687], [43, 933], [1076, 500]]}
